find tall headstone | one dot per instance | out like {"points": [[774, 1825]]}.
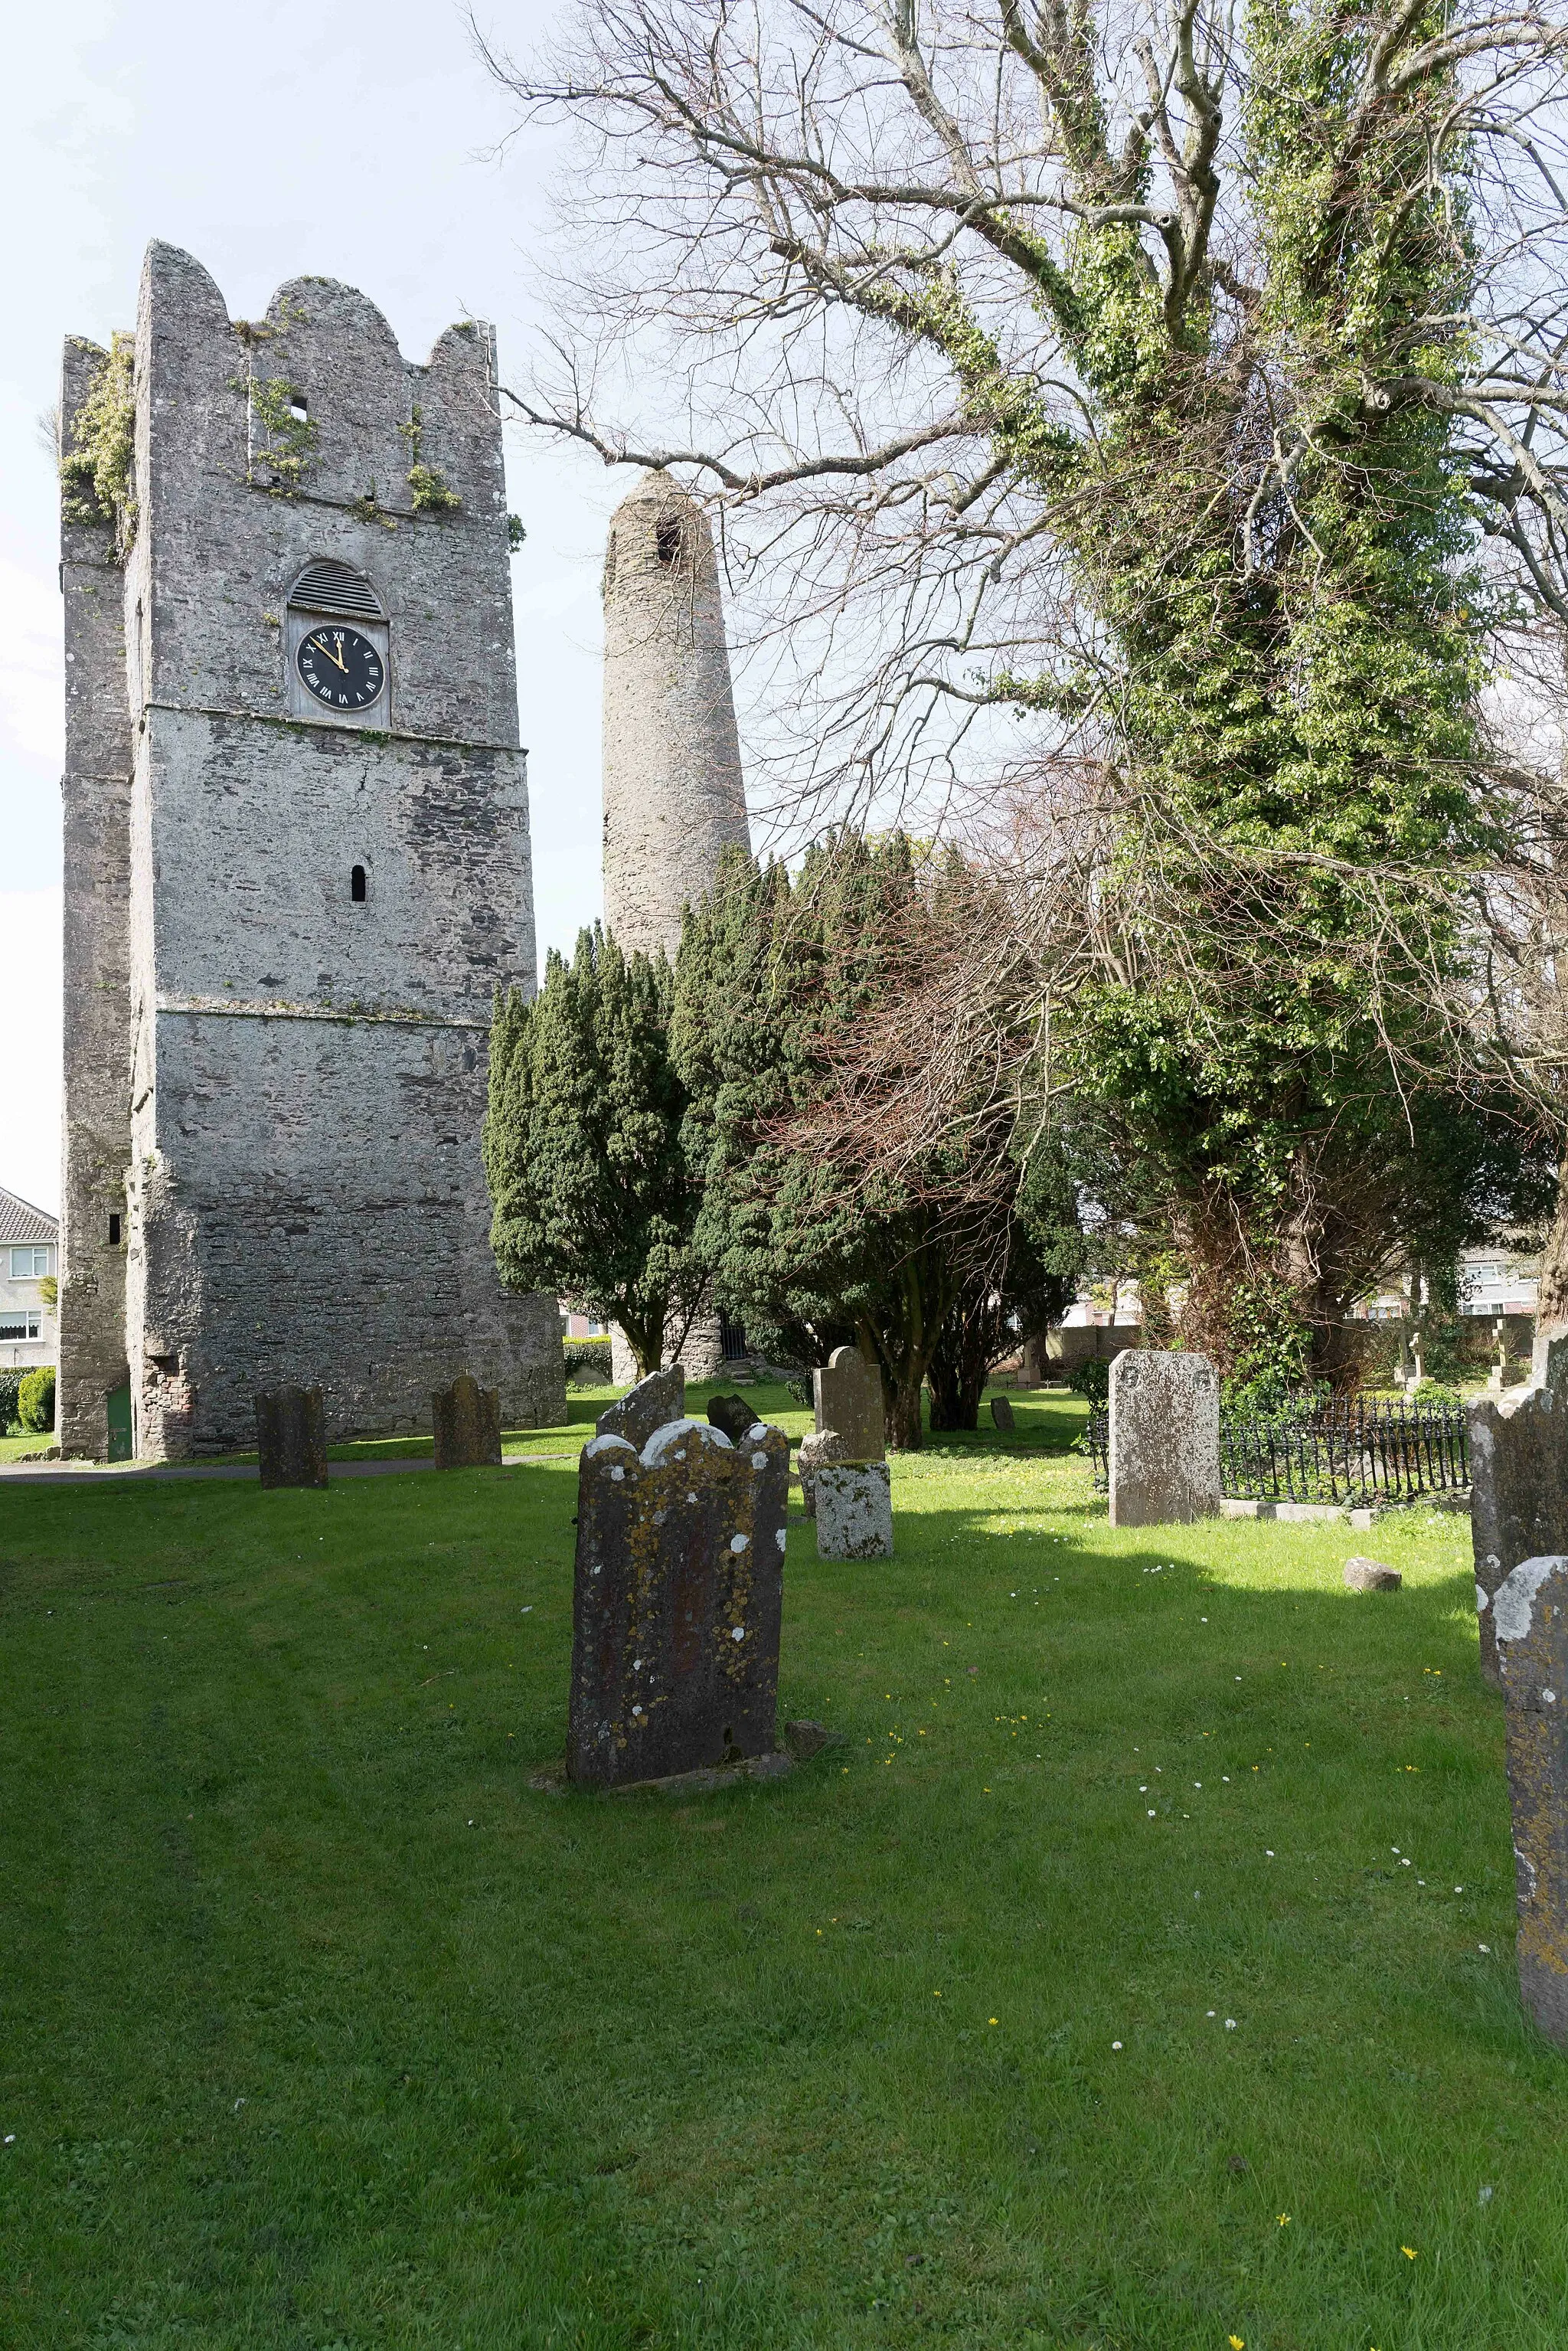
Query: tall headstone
{"points": [[848, 1398], [467, 1420], [1164, 1439], [297, 870], [1530, 1612], [291, 1436], [677, 1603], [1518, 1486], [733, 1414], [651, 1404]]}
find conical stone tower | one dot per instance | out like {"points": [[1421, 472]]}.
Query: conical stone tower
{"points": [[673, 797]]}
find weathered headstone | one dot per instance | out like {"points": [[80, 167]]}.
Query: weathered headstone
{"points": [[291, 1436], [1519, 1479], [854, 1510], [822, 1445], [848, 1394], [1002, 1414], [677, 1603], [467, 1420], [733, 1414], [1530, 1613], [1371, 1575], [1164, 1439], [652, 1405]]}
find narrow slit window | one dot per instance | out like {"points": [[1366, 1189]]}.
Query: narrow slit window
{"points": [[113, 1230], [669, 539], [297, 408], [357, 885]]}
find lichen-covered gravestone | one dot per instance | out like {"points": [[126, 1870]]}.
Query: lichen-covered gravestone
{"points": [[291, 1436], [652, 1404], [733, 1414], [1519, 1476], [854, 1510], [467, 1420], [822, 1445], [677, 1603], [1002, 1415], [1530, 1613], [848, 1394], [1164, 1439]]}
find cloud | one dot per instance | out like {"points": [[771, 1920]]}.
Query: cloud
{"points": [[30, 984]]}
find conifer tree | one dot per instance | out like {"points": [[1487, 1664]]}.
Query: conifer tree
{"points": [[593, 1193]]}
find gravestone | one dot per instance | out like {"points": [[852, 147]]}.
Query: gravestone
{"points": [[1519, 1479], [467, 1420], [291, 1436], [676, 1602], [1371, 1575], [854, 1510], [848, 1396], [822, 1445], [1164, 1439], [733, 1414], [652, 1405], [1530, 1613], [1002, 1414]]}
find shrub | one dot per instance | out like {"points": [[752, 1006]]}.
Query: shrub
{"points": [[10, 1381], [587, 1360], [35, 1400], [1092, 1378]]}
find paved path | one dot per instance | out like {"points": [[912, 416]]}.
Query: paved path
{"points": [[146, 1473]]}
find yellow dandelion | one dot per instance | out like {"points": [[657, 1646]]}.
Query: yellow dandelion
{"points": [[1408, 2252], [1236, 2343], [1283, 2218], [990, 2020]]}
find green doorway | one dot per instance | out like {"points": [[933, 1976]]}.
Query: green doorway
{"points": [[119, 1403]]}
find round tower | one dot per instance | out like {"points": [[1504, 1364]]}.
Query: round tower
{"points": [[674, 796]]}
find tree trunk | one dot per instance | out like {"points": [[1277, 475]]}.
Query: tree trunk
{"points": [[904, 1433], [954, 1392], [1552, 1299]]}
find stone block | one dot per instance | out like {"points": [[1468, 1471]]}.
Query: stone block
{"points": [[804, 1740], [1370, 1575], [676, 1602], [467, 1420], [733, 1414], [1519, 1478], [1164, 1439], [848, 1394], [822, 1445], [652, 1405], [1528, 1612], [291, 1436], [1002, 1415], [854, 1510]]}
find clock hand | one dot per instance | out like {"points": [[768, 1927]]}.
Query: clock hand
{"points": [[325, 647]]}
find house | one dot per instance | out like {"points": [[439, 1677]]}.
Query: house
{"points": [[29, 1263]]}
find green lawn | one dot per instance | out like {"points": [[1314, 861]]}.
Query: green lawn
{"points": [[319, 2031]]}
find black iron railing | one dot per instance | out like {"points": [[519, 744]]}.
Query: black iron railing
{"points": [[1329, 1451]]}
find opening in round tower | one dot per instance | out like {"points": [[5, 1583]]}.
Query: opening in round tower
{"points": [[673, 795]]}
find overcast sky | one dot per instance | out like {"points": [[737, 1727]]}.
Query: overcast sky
{"points": [[268, 141]]}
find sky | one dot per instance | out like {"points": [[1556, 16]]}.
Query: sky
{"points": [[268, 141]]}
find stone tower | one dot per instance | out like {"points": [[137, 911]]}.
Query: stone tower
{"points": [[297, 867], [673, 791]]}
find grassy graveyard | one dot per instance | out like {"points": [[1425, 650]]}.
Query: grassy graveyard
{"points": [[1137, 1975]]}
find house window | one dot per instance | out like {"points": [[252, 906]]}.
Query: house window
{"points": [[20, 1326], [114, 1232], [357, 885], [31, 1263]]}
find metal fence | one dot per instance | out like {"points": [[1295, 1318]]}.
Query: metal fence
{"points": [[1329, 1451]]}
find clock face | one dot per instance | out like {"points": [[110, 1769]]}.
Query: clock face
{"points": [[341, 669]]}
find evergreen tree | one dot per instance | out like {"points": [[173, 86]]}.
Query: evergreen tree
{"points": [[593, 1193], [809, 1233]]}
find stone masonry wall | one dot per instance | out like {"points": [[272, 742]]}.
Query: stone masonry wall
{"points": [[95, 791], [307, 1072]]}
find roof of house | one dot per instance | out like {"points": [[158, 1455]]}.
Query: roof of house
{"points": [[20, 1221]]}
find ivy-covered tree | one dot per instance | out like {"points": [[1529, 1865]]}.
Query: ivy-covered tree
{"points": [[1188, 384], [593, 1196], [813, 1231]]}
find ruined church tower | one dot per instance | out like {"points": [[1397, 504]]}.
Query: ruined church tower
{"points": [[674, 797], [297, 867]]}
